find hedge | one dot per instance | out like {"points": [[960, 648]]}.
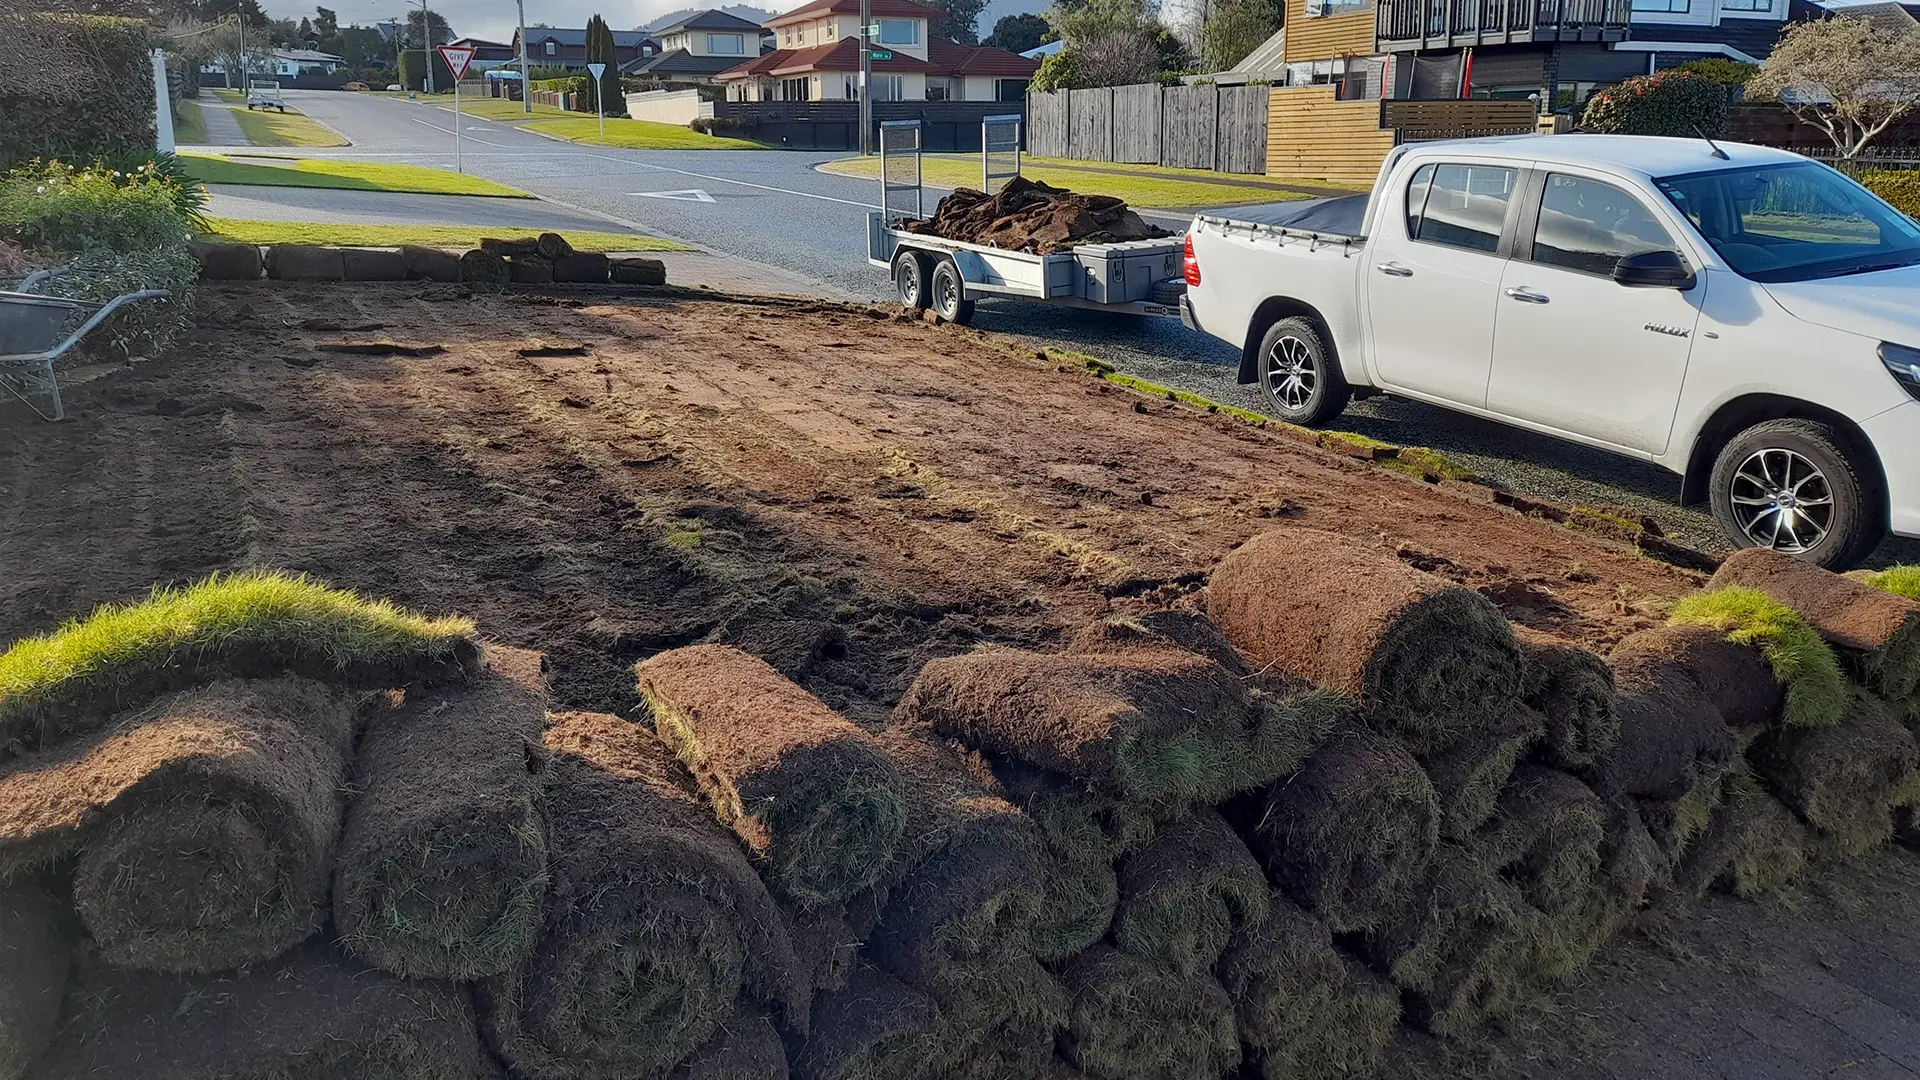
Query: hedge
{"points": [[108, 112], [1677, 103], [1901, 187], [413, 74]]}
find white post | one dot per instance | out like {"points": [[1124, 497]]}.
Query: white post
{"points": [[598, 71], [526, 102], [162, 105], [458, 165]]}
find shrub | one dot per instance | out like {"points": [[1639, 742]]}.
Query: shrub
{"points": [[140, 329], [413, 71], [1901, 187], [58, 207], [1729, 73], [103, 106], [1673, 102]]}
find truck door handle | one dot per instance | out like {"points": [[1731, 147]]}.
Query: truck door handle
{"points": [[1392, 269], [1526, 295]]}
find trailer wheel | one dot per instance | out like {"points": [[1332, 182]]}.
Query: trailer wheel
{"points": [[948, 294], [910, 279], [1299, 374]]}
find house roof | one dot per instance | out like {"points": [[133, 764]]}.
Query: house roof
{"points": [[679, 62], [1894, 18], [953, 58], [711, 19], [481, 43], [625, 39], [843, 55], [308, 55], [895, 9]]}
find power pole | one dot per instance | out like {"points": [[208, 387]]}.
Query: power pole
{"points": [[526, 91], [866, 77], [426, 45]]}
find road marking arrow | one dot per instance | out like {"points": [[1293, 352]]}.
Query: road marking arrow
{"points": [[686, 195]]}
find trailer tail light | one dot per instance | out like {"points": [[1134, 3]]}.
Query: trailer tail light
{"points": [[1189, 264]]}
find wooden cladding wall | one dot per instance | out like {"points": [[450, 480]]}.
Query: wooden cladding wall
{"points": [[1183, 127], [1309, 134], [1469, 118], [1327, 37]]}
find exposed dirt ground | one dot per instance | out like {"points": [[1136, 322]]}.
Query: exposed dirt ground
{"points": [[844, 491]]}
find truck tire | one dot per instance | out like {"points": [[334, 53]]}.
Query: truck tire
{"points": [[1797, 487], [910, 279], [1299, 374], [947, 294]]}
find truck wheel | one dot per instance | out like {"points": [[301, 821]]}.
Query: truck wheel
{"points": [[1299, 374], [1795, 486], [910, 279], [947, 294]]}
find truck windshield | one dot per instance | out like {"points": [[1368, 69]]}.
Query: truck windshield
{"points": [[1794, 222]]}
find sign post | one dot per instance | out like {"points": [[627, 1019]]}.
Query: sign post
{"points": [[457, 58], [599, 96]]}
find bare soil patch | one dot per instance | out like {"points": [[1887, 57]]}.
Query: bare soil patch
{"points": [[843, 492]]}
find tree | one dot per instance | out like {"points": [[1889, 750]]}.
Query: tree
{"points": [[608, 97], [1233, 29], [437, 32], [959, 20], [1845, 76], [413, 70], [326, 22], [1018, 33], [1109, 43]]}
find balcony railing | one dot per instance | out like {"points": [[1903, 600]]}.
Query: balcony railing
{"points": [[1405, 24]]}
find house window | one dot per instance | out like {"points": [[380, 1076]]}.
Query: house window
{"points": [[1010, 89], [885, 87], [899, 32], [794, 89], [550, 48], [1676, 7], [1746, 5], [726, 44]]}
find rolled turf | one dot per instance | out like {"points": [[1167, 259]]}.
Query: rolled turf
{"points": [[204, 826], [814, 798], [1572, 690], [308, 1015], [1877, 633], [1189, 630], [255, 624], [1428, 660], [1734, 676], [874, 1028], [1129, 1020], [654, 924], [965, 883], [1816, 690], [1086, 832], [1187, 893], [1304, 1010], [1158, 725], [1670, 733], [826, 940], [37, 933], [1467, 777], [1630, 865], [1351, 835], [1078, 900], [1845, 779], [747, 1047], [1898, 580], [1753, 847], [998, 1020], [442, 864], [1550, 838]]}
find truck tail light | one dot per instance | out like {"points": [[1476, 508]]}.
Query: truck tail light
{"points": [[1189, 264]]}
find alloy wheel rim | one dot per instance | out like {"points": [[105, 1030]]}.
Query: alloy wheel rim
{"points": [[1292, 375], [1781, 500]]}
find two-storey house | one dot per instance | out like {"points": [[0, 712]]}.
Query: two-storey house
{"points": [[551, 46], [816, 57], [698, 47]]}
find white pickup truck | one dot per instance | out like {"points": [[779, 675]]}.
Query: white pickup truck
{"points": [[1742, 316]]}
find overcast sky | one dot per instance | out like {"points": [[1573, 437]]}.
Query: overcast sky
{"points": [[495, 19]]}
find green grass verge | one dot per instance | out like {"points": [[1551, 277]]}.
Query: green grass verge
{"points": [[1817, 693], [243, 231], [345, 175], [270, 127], [493, 108], [190, 127], [247, 623], [637, 135], [1898, 580], [1138, 189]]}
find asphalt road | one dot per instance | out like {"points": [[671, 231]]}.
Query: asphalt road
{"points": [[774, 208]]}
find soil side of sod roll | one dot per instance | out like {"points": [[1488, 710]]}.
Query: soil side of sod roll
{"points": [[37, 934], [816, 800], [1305, 1010], [1351, 835], [1469, 775], [827, 940], [654, 924], [874, 1028], [441, 871], [1187, 893], [1572, 689], [1843, 780], [204, 825], [1877, 633], [1736, 678], [1429, 661], [311, 1013], [1669, 730], [1189, 630], [1130, 1020], [747, 1047], [966, 880]]}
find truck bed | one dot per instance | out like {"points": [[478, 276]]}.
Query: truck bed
{"points": [[1340, 217]]}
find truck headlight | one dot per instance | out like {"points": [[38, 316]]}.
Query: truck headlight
{"points": [[1904, 363]]}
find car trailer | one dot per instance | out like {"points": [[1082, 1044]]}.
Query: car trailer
{"points": [[1140, 277]]}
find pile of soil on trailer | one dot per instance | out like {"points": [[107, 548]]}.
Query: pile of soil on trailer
{"points": [[1027, 215], [844, 492]]}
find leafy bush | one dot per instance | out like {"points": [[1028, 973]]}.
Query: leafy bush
{"points": [[721, 125], [1676, 102], [140, 329], [413, 71], [1901, 187], [1057, 72], [1728, 72], [103, 106], [58, 207]]}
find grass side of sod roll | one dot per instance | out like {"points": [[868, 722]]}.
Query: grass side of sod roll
{"points": [[1816, 689]]}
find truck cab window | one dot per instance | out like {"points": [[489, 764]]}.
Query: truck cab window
{"points": [[1589, 226], [1464, 206]]}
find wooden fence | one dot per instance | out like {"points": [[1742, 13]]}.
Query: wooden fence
{"points": [[1187, 127], [1312, 134]]}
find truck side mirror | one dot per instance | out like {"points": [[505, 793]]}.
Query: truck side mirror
{"points": [[1653, 270]]}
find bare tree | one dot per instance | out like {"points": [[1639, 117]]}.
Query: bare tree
{"points": [[1845, 76], [1116, 57]]}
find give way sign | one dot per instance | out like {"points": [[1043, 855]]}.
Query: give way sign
{"points": [[457, 58]]}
